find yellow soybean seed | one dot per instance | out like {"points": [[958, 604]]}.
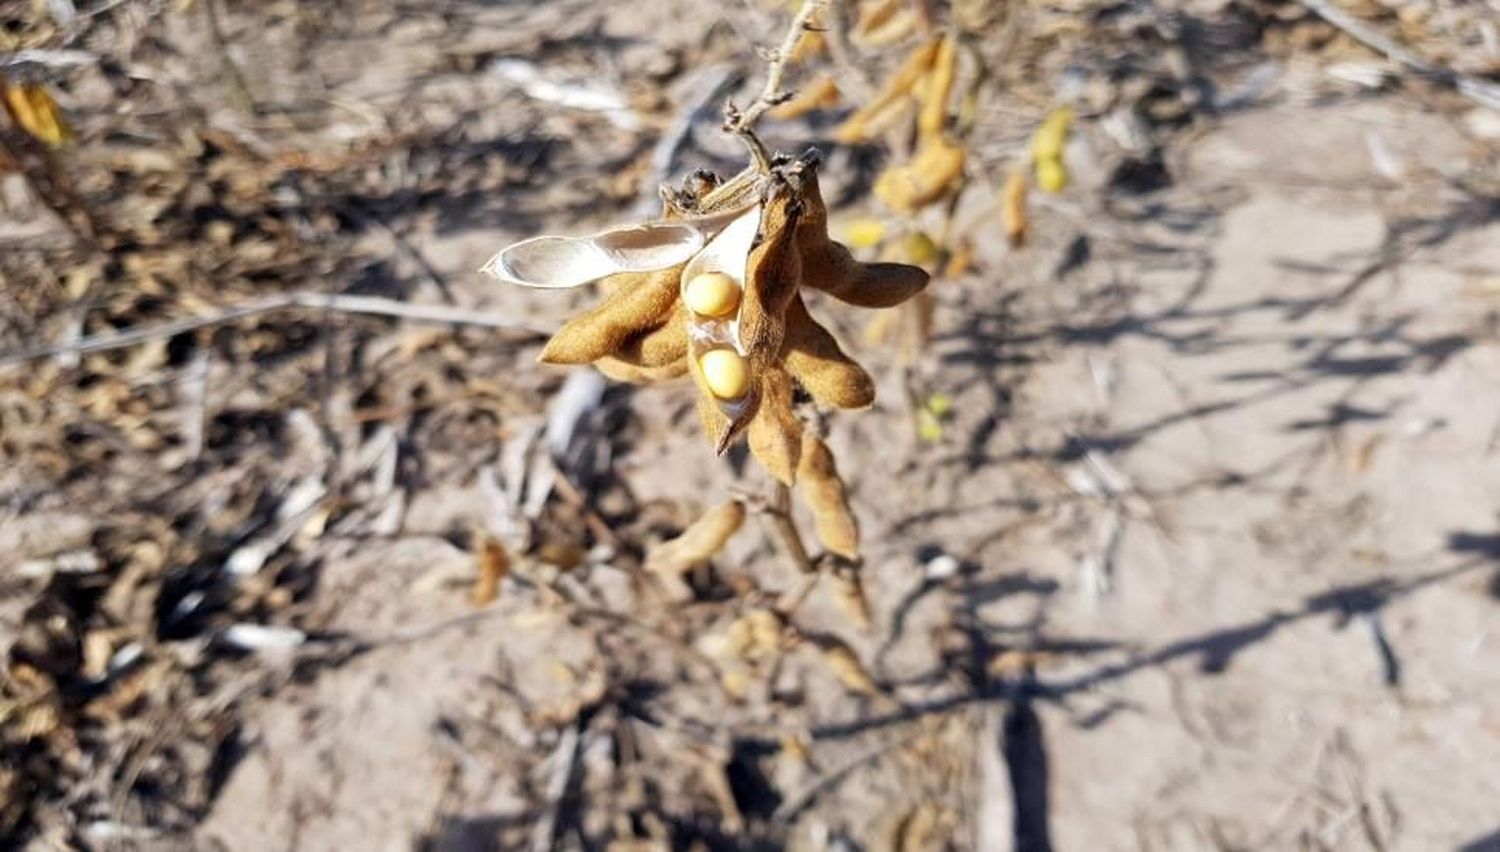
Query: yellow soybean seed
{"points": [[712, 294], [725, 373]]}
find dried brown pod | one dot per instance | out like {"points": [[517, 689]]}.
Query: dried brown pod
{"points": [[699, 542], [823, 491], [640, 302], [818, 363], [844, 663], [665, 345], [773, 273], [775, 434], [927, 178], [819, 94], [622, 371], [828, 266], [858, 127], [848, 592]]}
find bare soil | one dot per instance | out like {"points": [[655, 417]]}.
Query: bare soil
{"points": [[1206, 553]]}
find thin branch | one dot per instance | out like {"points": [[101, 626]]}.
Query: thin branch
{"points": [[779, 511], [338, 303], [742, 123], [1477, 90]]}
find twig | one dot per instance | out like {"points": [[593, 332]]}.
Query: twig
{"points": [[1480, 92], [565, 757], [339, 303], [779, 510], [742, 124]]}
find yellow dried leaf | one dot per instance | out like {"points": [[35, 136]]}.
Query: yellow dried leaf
{"points": [[864, 233], [821, 488], [1051, 175], [1050, 137], [699, 542], [34, 111]]}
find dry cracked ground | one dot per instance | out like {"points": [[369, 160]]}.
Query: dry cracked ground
{"points": [[1205, 554]]}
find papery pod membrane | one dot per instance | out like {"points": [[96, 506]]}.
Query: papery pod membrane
{"points": [[640, 302], [821, 488], [697, 544], [818, 363], [828, 265], [552, 262], [775, 432]]}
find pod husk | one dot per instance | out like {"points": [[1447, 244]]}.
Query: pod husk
{"points": [[639, 302], [698, 543], [858, 127], [658, 347], [828, 265], [775, 435], [927, 178], [818, 363], [821, 488], [622, 371], [771, 278]]}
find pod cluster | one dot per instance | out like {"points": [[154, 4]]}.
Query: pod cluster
{"points": [[729, 312]]}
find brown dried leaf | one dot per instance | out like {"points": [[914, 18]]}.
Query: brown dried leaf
{"points": [[699, 542], [775, 432], [1013, 210], [641, 301], [815, 359], [492, 564], [823, 491]]}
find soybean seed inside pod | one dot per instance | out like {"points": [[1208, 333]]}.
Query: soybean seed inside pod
{"points": [[725, 373], [712, 294]]}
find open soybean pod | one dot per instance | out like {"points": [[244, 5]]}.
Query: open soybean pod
{"points": [[712, 287]]}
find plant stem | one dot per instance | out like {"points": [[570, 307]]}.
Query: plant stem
{"points": [[779, 508]]}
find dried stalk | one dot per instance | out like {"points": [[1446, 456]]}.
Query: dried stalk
{"points": [[334, 302], [742, 124], [779, 511]]}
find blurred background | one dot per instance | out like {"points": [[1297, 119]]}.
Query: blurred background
{"points": [[1180, 500]]}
